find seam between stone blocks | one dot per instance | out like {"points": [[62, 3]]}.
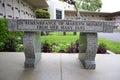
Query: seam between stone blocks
{"points": [[61, 67]]}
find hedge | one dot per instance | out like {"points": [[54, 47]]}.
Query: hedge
{"points": [[42, 14], [9, 40]]}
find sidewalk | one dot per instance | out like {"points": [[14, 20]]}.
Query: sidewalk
{"points": [[58, 67], [115, 36]]}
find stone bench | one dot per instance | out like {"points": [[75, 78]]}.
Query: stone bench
{"points": [[88, 37]]}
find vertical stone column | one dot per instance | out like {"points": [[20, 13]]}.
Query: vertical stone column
{"points": [[32, 48], [88, 49]]}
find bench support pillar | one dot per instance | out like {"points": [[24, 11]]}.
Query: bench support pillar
{"points": [[32, 48], [88, 49]]}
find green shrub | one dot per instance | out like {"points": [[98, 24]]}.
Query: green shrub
{"points": [[42, 13], [9, 40], [101, 48], [113, 46], [10, 44], [55, 48], [102, 45], [46, 47]]}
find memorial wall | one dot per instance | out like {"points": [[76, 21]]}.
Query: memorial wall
{"points": [[15, 9]]}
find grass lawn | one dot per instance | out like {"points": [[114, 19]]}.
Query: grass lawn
{"points": [[111, 45], [69, 38], [59, 38]]}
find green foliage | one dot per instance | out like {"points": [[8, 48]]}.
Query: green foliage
{"points": [[90, 5], [102, 45], [55, 48], [83, 41], [10, 44], [111, 45], [46, 46], [59, 42], [59, 38], [42, 13], [101, 48], [9, 39], [69, 38], [60, 47]]}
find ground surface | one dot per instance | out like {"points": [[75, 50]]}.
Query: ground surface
{"points": [[111, 36], [59, 67]]}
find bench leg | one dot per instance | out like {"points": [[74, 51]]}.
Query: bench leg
{"points": [[88, 49], [32, 49]]}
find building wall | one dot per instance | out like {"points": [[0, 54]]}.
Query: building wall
{"points": [[117, 21], [68, 6], [84, 16], [15, 9], [1, 9], [71, 15], [53, 6]]}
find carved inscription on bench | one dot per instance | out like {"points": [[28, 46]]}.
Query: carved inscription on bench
{"points": [[60, 25]]}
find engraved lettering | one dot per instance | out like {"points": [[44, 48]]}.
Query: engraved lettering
{"points": [[63, 25]]}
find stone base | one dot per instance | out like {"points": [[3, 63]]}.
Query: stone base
{"points": [[88, 49], [29, 63], [89, 65], [32, 48]]}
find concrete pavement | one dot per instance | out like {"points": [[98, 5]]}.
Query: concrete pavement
{"points": [[115, 36], [58, 67]]}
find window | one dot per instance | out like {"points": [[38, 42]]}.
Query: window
{"points": [[17, 17], [12, 8], [18, 1], [9, 5], [22, 3], [4, 16], [1, 14], [22, 11], [92, 15], [16, 8], [26, 12], [58, 14], [19, 11], [9, 16], [3, 4]]}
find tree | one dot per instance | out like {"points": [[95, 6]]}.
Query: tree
{"points": [[90, 5]]}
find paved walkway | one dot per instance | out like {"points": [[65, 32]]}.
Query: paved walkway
{"points": [[59, 67], [112, 36]]}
